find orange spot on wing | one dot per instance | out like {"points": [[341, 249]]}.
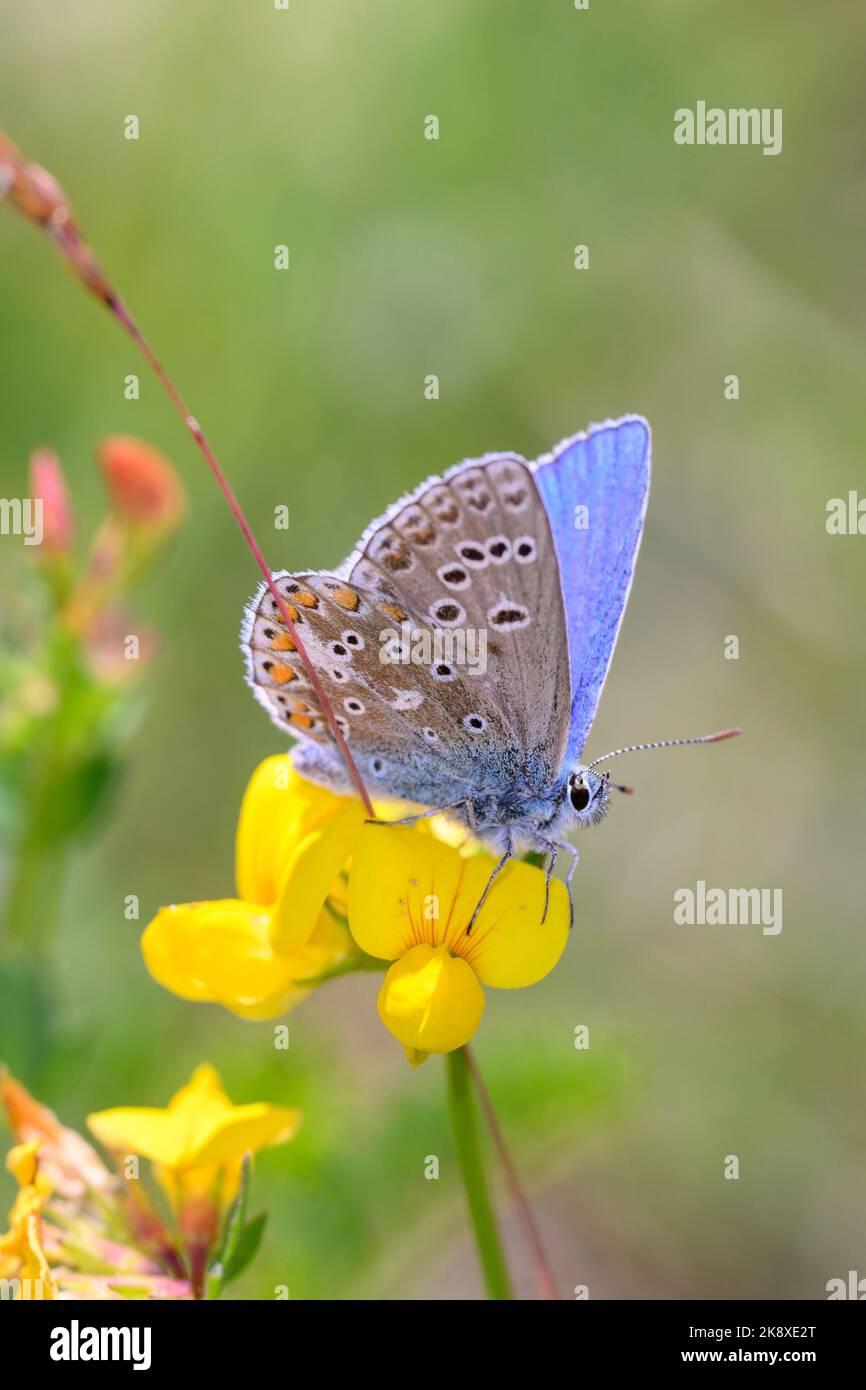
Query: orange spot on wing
{"points": [[301, 721], [290, 609], [306, 599], [283, 642], [394, 611], [281, 674], [346, 597]]}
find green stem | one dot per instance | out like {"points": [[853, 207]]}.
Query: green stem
{"points": [[357, 961], [35, 886], [38, 872], [464, 1125]]}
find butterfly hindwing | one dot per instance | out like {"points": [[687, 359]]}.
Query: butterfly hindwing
{"points": [[420, 730]]}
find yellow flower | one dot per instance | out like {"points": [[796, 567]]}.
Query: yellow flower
{"points": [[411, 898], [253, 953], [22, 1257], [260, 953], [198, 1142]]}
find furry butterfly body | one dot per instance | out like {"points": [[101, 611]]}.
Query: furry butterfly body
{"points": [[535, 558]]}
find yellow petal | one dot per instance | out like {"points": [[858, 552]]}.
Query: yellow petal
{"points": [[293, 840], [266, 811], [202, 1093], [510, 945], [22, 1258], [200, 1128], [216, 1131], [431, 1001], [152, 1133], [247, 1129], [407, 887], [22, 1162], [220, 953]]}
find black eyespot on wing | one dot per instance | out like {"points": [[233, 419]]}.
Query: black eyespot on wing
{"points": [[447, 612]]}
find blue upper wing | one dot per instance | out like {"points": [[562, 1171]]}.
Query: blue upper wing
{"points": [[607, 472]]}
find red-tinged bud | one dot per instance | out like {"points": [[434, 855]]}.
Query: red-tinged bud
{"points": [[34, 191], [71, 1165], [48, 484], [144, 488], [39, 197], [198, 1221]]}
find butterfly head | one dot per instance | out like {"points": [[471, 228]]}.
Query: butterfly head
{"points": [[587, 795], [588, 791]]}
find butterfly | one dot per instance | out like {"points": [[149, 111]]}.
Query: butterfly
{"points": [[465, 642]]}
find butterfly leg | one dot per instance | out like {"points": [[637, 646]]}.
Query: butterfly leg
{"points": [[552, 847], [575, 860], [421, 815], [552, 850], [509, 854]]}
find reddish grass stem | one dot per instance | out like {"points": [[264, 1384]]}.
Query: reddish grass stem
{"points": [[121, 313], [540, 1263], [65, 235]]}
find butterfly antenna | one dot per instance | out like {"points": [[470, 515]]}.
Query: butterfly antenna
{"points": [[662, 743]]}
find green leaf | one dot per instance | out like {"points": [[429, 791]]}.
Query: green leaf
{"points": [[80, 790], [246, 1248], [232, 1233]]}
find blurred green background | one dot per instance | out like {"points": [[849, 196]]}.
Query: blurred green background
{"points": [[455, 257]]}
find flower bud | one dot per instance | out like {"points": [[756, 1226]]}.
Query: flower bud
{"points": [[143, 487], [48, 485]]}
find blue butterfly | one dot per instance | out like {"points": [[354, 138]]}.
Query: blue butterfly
{"points": [[465, 642]]}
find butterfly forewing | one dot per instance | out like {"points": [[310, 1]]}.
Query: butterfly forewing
{"points": [[595, 489]]}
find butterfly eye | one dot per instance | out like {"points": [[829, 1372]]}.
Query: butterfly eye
{"points": [[579, 796]]}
